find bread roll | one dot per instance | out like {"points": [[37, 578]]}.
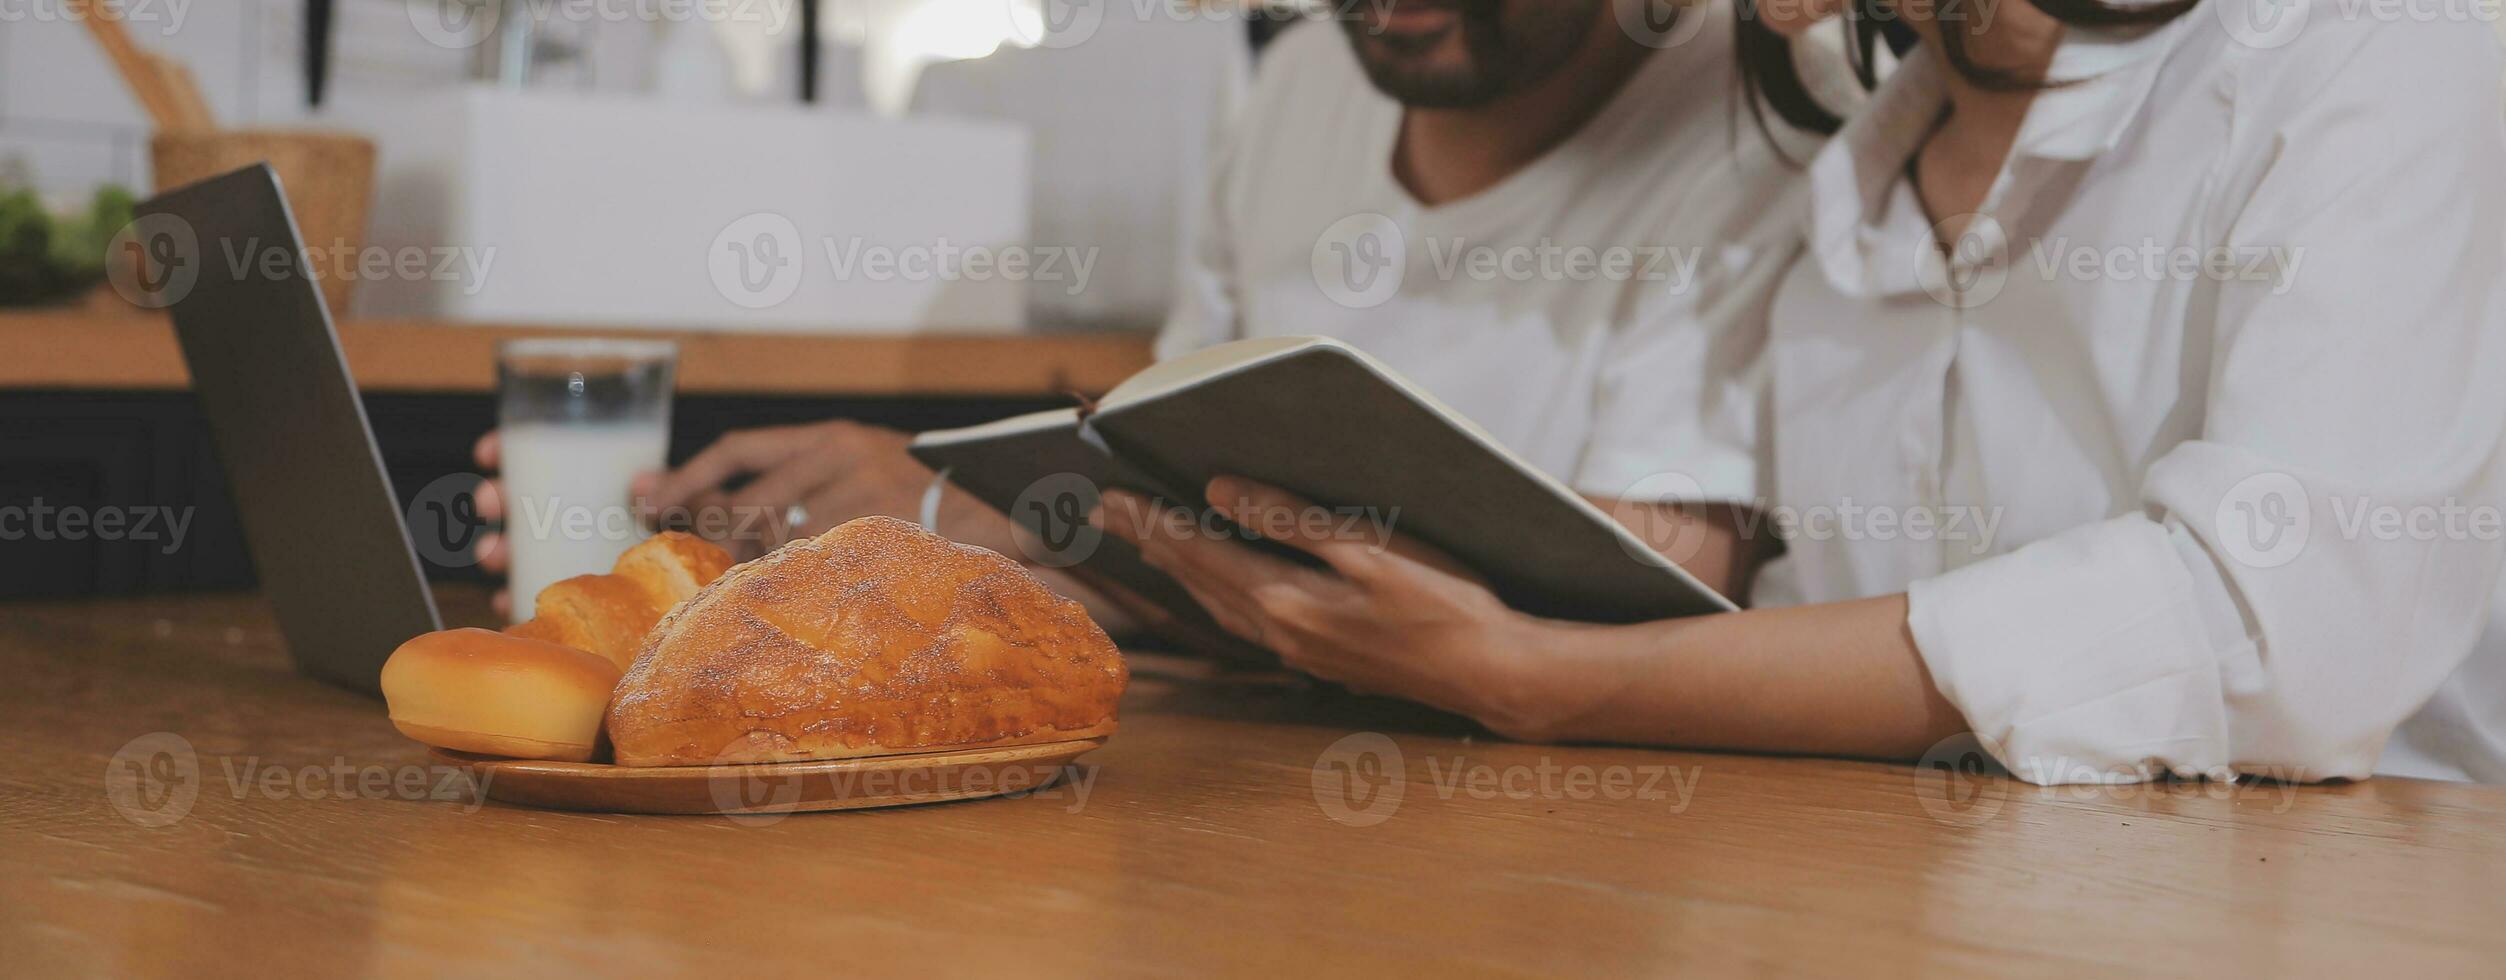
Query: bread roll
{"points": [[476, 690], [874, 638], [609, 614], [671, 566]]}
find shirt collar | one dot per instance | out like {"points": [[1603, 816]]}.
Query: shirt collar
{"points": [[2110, 75], [1858, 219]]}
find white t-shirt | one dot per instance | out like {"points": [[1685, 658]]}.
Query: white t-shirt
{"points": [[2198, 466], [1597, 312]]}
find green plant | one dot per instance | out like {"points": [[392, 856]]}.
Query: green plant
{"points": [[46, 258]]}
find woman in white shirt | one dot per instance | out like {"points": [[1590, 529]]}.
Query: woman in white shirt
{"points": [[2186, 458]]}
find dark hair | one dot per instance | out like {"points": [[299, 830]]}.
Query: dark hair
{"points": [[1770, 80]]}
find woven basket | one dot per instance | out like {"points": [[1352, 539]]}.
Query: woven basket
{"points": [[328, 177]]}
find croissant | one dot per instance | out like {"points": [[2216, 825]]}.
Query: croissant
{"points": [[609, 614], [874, 638]]}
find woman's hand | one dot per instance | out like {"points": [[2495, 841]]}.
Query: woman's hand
{"points": [[742, 490], [492, 552], [1388, 617], [831, 471], [1391, 617]]}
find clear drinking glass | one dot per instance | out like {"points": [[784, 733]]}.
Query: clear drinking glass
{"points": [[579, 418]]}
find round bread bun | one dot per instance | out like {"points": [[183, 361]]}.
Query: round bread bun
{"points": [[475, 690]]}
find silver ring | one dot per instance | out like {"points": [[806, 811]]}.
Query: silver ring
{"points": [[793, 517]]}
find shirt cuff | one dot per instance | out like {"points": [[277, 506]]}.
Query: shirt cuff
{"points": [[2081, 658]]}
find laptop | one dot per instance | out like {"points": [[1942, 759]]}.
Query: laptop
{"points": [[326, 532]]}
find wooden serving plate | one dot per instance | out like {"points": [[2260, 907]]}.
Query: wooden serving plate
{"points": [[782, 787]]}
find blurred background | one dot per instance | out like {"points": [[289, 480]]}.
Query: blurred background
{"points": [[476, 170], [913, 213], [475, 105]]}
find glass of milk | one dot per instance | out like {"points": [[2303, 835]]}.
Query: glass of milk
{"points": [[580, 418]]}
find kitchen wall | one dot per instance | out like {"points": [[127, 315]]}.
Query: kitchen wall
{"points": [[68, 117], [1122, 124]]}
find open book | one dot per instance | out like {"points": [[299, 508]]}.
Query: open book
{"points": [[1321, 419]]}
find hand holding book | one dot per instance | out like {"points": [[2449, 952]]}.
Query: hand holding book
{"points": [[1393, 617]]}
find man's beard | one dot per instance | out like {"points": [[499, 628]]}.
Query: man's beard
{"points": [[1504, 54]]}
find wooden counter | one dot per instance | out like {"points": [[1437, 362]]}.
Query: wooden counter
{"points": [[1200, 845], [77, 350]]}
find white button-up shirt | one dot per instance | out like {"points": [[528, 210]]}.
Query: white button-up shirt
{"points": [[2191, 459]]}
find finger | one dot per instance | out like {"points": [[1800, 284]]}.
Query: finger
{"points": [[494, 553], [502, 602], [489, 499], [1309, 640], [489, 451], [750, 451], [1356, 548], [1226, 613], [795, 480], [1313, 662], [1136, 519], [1289, 519], [655, 517], [745, 532], [1133, 518], [1176, 542], [1243, 589]]}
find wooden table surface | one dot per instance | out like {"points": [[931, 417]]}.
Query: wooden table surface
{"points": [[1201, 843], [128, 351]]}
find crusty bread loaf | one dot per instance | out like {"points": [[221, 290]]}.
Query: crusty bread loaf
{"points": [[609, 614], [475, 690], [874, 638]]}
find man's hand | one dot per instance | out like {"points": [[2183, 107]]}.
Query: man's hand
{"points": [[1400, 620], [1835, 679], [493, 554], [834, 471]]}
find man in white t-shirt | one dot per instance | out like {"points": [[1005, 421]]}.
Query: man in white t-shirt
{"points": [[1563, 232], [1548, 214]]}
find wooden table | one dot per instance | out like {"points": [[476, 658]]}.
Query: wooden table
{"points": [[93, 351], [1201, 843]]}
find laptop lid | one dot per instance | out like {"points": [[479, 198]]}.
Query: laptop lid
{"points": [[326, 533]]}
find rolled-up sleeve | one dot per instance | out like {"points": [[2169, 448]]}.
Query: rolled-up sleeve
{"points": [[2300, 578]]}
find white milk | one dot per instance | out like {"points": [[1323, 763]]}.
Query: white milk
{"points": [[566, 506]]}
